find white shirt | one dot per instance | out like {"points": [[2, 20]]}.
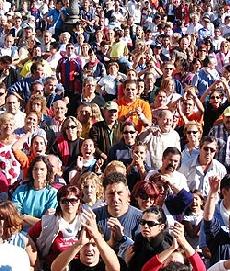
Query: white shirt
{"points": [[197, 178], [218, 266], [191, 29], [178, 179]]}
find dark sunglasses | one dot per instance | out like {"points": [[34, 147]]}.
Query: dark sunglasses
{"points": [[69, 201], [150, 224], [129, 132], [215, 97], [209, 149], [192, 132], [70, 47], [71, 127], [145, 196]]}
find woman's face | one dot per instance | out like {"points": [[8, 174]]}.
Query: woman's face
{"points": [[148, 230], [71, 130], [31, 121], [89, 191], [38, 146], [145, 201], [161, 98], [36, 106], [7, 128], [215, 99], [87, 148], [70, 204], [39, 172], [192, 134]]}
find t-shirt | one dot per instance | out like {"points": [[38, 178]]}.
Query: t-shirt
{"points": [[77, 265]]}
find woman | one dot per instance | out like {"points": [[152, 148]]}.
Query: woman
{"points": [[37, 103], [160, 102], [11, 224], [57, 232], [213, 102], [193, 133], [92, 190], [152, 239], [36, 197], [67, 145], [168, 85], [144, 195], [8, 163]]}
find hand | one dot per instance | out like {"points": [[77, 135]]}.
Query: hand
{"points": [[98, 165], [214, 183], [116, 228], [90, 224], [155, 130], [50, 211], [84, 239], [129, 254], [79, 165], [174, 244], [178, 232], [104, 156]]}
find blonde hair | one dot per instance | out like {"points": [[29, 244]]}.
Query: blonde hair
{"points": [[115, 166], [5, 117], [66, 123], [93, 178], [96, 113], [193, 123]]}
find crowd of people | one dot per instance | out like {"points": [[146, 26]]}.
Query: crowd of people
{"points": [[115, 135]]}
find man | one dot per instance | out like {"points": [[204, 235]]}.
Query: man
{"points": [[118, 217], [221, 132], [207, 30], [167, 69], [158, 139], [199, 170], [8, 74], [194, 26], [215, 227], [171, 160], [84, 115], [107, 132], [94, 252], [132, 108], [51, 95]]}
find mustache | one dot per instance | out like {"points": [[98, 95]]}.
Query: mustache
{"points": [[170, 166]]}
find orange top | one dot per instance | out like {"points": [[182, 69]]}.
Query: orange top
{"points": [[126, 108]]}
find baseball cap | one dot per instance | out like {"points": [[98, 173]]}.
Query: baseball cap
{"points": [[227, 112], [111, 106]]}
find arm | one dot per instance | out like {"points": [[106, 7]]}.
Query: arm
{"points": [[212, 197], [31, 251]]}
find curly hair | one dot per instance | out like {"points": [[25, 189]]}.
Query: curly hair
{"points": [[36, 98]]}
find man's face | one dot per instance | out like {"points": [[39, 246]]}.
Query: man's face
{"points": [[89, 254], [84, 114], [12, 104], [171, 162], [38, 146], [168, 70], [47, 37], [110, 116], [117, 197], [129, 135], [31, 121], [50, 86], [9, 41], [39, 73], [207, 152], [188, 107], [60, 109], [165, 122], [90, 87], [131, 91]]}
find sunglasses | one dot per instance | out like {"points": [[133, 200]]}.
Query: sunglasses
{"points": [[71, 127], [169, 69], [212, 150], [69, 201], [129, 132], [150, 224], [215, 97], [192, 132], [69, 47], [145, 196]]}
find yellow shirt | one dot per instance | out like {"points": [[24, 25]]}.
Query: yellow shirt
{"points": [[119, 49], [26, 68]]}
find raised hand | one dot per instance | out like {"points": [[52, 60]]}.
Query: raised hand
{"points": [[214, 183]]}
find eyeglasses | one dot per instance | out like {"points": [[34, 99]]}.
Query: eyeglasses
{"points": [[212, 150], [215, 97], [150, 224], [168, 68], [203, 51], [69, 201], [192, 132], [71, 127], [129, 132], [70, 47]]}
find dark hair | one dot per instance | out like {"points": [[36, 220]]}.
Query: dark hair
{"points": [[55, 45], [225, 182], [130, 82], [172, 150], [176, 266], [49, 175], [34, 67], [6, 59], [127, 123], [64, 191], [157, 210], [114, 177], [209, 139]]}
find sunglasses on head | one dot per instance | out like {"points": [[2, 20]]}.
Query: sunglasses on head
{"points": [[192, 132], [209, 149], [129, 132], [143, 222], [69, 201]]}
